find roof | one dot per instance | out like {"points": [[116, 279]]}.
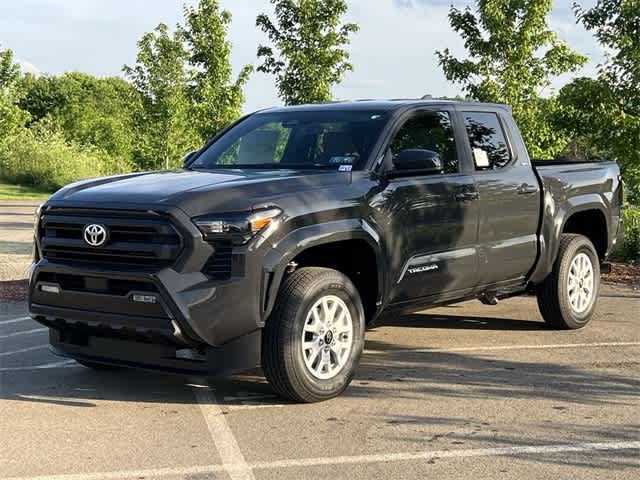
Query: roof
{"points": [[376, 105]]}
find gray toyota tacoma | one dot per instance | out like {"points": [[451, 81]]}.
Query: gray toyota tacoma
{"points": [[295, 228]]}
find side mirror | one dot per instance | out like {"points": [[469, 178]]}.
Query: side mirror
{"points": [[188, 156], [425, 161]]}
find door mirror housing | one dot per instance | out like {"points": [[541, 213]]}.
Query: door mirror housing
{"points": [[187, 157], [418, 160]]}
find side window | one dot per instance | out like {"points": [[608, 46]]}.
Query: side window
{"points": [[487, 139], [428, 131]]}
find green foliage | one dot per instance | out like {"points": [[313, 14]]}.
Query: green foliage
{"points": [[89, 110], [603, 115], [216, 98], [9, 71], [629, 251], [12, 118], [164, 130], [184, 80], [513, 56], [45, 160], [308, 37]]}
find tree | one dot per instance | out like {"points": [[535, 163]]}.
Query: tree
{"points": [[88, 110], [603, 114], [9, 71], [309, 37], [165, 129], [216, 98], [513, 56], [12, 118]]}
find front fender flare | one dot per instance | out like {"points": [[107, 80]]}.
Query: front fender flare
{"points": [[301, 239]]}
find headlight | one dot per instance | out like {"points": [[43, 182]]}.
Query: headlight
{"points": [[241, 227]]}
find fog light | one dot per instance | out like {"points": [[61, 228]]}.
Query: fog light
{"points": [[144, 298], [50, 288]]}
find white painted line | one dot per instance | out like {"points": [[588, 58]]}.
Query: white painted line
{"points": [[24, 332], [14, 320], [62, 364], [497, 348], [476, 452], [234, 408], [355, 459], [23, 350], [233, 461]]}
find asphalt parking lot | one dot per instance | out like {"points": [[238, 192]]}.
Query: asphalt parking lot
{"points": [[466, 391]]}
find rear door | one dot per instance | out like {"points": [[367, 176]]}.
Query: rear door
{"points": [[509, 197], [432, 218]]}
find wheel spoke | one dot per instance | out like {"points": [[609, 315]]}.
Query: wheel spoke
{"points": [[580, 282], [327, 337]]}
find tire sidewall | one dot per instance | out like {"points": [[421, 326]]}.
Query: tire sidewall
{"points": [[347, 293], [580, 245]]}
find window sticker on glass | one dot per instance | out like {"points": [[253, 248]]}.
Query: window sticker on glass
{"points": [[345, 168], [481, 158]]}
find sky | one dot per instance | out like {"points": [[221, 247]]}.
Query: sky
{"points": [[393, 53]]}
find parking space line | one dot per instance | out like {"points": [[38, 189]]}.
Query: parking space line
{"points": [[24, 332], [426, 455], [44, 366], [14, 320], [233, 460], [234, 408], [22, 350], [355, 459], [496, 348]]}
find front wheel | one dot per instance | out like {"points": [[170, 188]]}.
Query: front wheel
{"points": [[313, 340], [567, 297]]}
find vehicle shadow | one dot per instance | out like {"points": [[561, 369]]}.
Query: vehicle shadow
{"points": [[388, 371], [459, 322]]}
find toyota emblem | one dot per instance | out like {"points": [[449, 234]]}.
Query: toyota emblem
{"points": [[95, 235]]}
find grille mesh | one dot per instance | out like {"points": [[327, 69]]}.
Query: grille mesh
{"points": [[136, 239]]}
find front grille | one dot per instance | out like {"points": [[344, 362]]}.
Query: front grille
{"points": [[219, 265], [136, 239]]}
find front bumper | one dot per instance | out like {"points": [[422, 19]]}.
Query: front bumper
{"points": [[238, 355], [196, 323]]}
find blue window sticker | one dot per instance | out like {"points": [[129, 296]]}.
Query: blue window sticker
{"points": [[345, 168]]}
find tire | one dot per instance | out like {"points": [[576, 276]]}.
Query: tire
{"points": [[557, 300], [97, 366], [300, 374]]}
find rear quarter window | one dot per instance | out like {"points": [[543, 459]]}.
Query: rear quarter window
{"points": [[487, 140]]}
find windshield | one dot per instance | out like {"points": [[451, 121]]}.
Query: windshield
{"points": [[328, 139]]}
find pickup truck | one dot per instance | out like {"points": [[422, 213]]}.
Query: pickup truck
{"points": [[295, 228]]}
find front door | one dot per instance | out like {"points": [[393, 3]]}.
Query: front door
{"points": [[432, 219]]}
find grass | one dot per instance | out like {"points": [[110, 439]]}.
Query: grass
{"points": [[20, 192]]}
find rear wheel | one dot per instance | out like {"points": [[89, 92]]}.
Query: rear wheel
{"points": [[313, 340], [567, 297]]}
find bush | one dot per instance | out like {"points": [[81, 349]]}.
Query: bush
{"points": [[44, 160], [629, 251]]}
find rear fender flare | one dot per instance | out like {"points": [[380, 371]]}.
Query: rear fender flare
{"points": [[555, 217]]}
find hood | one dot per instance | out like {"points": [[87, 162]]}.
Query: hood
{"points": [[195, 192]]}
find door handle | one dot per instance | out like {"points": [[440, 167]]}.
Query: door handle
{"points": [[467, 196], [526, 189]]}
